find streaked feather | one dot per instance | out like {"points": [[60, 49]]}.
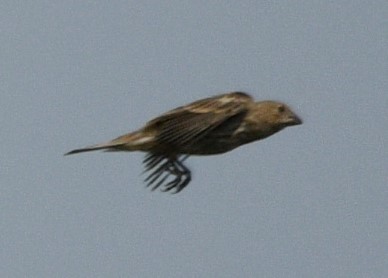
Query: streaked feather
{"points": [[187, 124]]}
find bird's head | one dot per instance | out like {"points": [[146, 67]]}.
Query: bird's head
{"points": [[277, 114]]}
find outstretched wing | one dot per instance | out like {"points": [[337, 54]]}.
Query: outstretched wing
{"points": [[187, 124]]}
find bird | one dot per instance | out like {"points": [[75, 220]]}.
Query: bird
{"points": [[210, 126]]}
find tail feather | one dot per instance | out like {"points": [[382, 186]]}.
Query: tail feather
{"points": [[105, 146], [129, 142]]}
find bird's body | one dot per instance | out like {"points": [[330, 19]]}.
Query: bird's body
{"points": [[209, 126]]}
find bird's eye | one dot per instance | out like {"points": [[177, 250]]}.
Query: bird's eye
{"points": [[281, 109]]}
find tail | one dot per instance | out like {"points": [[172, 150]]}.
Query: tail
{"points": [[104, 146], [135, 141]]}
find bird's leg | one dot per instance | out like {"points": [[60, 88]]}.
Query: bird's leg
{"points": [[181, 172], [162, 167], [186, 173], [172, 168]]}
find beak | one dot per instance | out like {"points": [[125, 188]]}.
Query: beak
{"points": [[294, 120]]}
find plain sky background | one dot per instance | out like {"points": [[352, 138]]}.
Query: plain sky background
{"points": [[310, 201]]}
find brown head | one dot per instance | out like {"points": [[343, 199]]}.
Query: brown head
{"points": [[276, 113], [272, 116]]}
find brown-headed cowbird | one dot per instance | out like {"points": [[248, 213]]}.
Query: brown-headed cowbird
{"points": [[209, 126]]}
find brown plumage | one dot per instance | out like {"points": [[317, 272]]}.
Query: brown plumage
{"points": [[209, 126]]}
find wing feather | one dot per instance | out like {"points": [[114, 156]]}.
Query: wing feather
{"points": [[187, 124]]}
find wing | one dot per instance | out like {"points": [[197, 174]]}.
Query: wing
{"points": [[187, 124]]}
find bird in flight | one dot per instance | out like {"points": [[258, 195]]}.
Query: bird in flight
{"points": [[208, 126]]}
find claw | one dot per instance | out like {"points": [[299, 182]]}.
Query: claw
{"points": [[166, 167]]}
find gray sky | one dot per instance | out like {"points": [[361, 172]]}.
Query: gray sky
{"points": [[311, 201]]}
